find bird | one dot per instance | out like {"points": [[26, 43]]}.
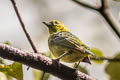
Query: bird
{"points": [[65, 46]]}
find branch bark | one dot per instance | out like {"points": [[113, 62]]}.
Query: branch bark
{"points": [[42, 62]]}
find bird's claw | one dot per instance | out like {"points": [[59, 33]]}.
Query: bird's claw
{"points": [[57, 61]]}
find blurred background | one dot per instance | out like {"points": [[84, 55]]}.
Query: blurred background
{"points": [[87, 25]]}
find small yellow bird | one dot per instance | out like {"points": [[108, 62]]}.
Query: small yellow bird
{"points": [[66, 46]]}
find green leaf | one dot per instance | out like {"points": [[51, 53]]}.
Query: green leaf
{"points": [[14, 70], [98, 53], [113, 69], [7, 42], [38, 74], [117, 0], [2, 75], [80, 68]]}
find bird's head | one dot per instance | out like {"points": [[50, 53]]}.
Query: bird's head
{"points": [[55, 26]]}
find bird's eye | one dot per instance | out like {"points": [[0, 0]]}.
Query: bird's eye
{"points": [[56, 22]]}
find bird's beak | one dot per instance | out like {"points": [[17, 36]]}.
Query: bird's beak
{"points": [[48, 24]]}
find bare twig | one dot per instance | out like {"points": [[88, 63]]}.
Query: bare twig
{"points": [[108, 59], [105, 12], [86, 5], [43, 74], [41, 62], [23, 26]]}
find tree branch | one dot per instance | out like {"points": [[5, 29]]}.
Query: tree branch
{"points": [[105, 12], [107, 15], [108, 59], [23, 26], [85, 4], [41, 62]]}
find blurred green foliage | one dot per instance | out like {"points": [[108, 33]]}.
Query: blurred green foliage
{"points": [[38, 74], [13, 70], [98, 53], [113, 69], [7, 42]]}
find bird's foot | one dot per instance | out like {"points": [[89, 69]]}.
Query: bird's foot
{"points": [[57, 61]]}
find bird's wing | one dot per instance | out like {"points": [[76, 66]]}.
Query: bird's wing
{"points": [[67, 39]]}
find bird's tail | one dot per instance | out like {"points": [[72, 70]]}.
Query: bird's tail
{"points": [[91, 53]]}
